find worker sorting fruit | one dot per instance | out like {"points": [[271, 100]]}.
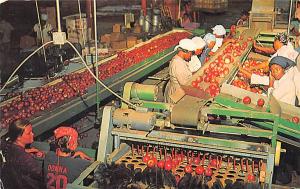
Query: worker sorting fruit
{"points": [[281, 47], [210, 41], [179, 70], [219, 32], [195, 63], [283, 81]]}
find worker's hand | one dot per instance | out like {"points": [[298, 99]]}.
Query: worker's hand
{"points": [[82, 155], [35, 152]]}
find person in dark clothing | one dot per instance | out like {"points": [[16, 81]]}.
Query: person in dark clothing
{"points": [[62, 166], [20, 169]]}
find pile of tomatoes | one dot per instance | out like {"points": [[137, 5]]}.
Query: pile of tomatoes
{"points": [[215, 71], [242, 82], [74, 85]]}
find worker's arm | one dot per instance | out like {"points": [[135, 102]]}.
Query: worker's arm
{"points": [[264, 65], [262, 49], [246, 73]]}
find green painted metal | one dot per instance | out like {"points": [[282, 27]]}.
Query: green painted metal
{"points": [[85, 173], [231, 103], [88, 151], [144, 92], [198, 32], [245, 149], [59, 114], [240, 131], [154, 105]]}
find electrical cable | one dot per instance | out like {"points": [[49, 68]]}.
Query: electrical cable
{"points": [[99, 81], [23, 63]]}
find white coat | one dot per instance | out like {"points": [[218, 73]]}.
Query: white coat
{"points": [[288, 87], [287, 51], [195, 64], [219, 42], [285, 89], [180, 74]]}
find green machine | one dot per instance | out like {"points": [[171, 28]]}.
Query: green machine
{"points": [[244, 139]]}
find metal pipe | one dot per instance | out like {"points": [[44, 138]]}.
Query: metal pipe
{"points": [[40, 27], [58, 16], [96, 67], [290, 15]]}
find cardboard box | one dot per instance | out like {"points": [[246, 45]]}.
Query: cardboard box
{"points": [[27, 41], [117, 28], [139, 41], [116, 37], [137, 29], [131, 41], [119, 45], [105, 38]]}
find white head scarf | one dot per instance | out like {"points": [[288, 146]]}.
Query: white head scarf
{"points": [[186, 44], [219, 30], [199, 42], [209, 37]]}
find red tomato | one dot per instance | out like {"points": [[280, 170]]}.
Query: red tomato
{"points": [[161, 164], [195, 84], [208, 172], [196, 161], [251, 178], [168, 165], [151, 163], [214, 163], [199, 79], [188, 169], [146, 158], [199, 170], [175, 163], [246, 100], [260, 102], [295, 119]]}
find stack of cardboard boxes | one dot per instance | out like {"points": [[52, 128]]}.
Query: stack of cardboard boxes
{"points": [[119, 41]]}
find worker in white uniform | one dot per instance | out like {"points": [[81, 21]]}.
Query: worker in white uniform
{"points": [[284, 79], [179, 71], [46, 30], [282, 47], [5, 35], [219, 32], [195, 64], [210, 41]]}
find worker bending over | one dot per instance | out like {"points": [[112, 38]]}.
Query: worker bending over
{"points": [[283, 81], [179, 70], [195, 64], [281, 47], [219, 32], [63, 166], [210, 41]]}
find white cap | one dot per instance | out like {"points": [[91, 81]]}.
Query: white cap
{"points": [[199, 42], [209, 37], [219, 30], [186, 44], [44, 17]]}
